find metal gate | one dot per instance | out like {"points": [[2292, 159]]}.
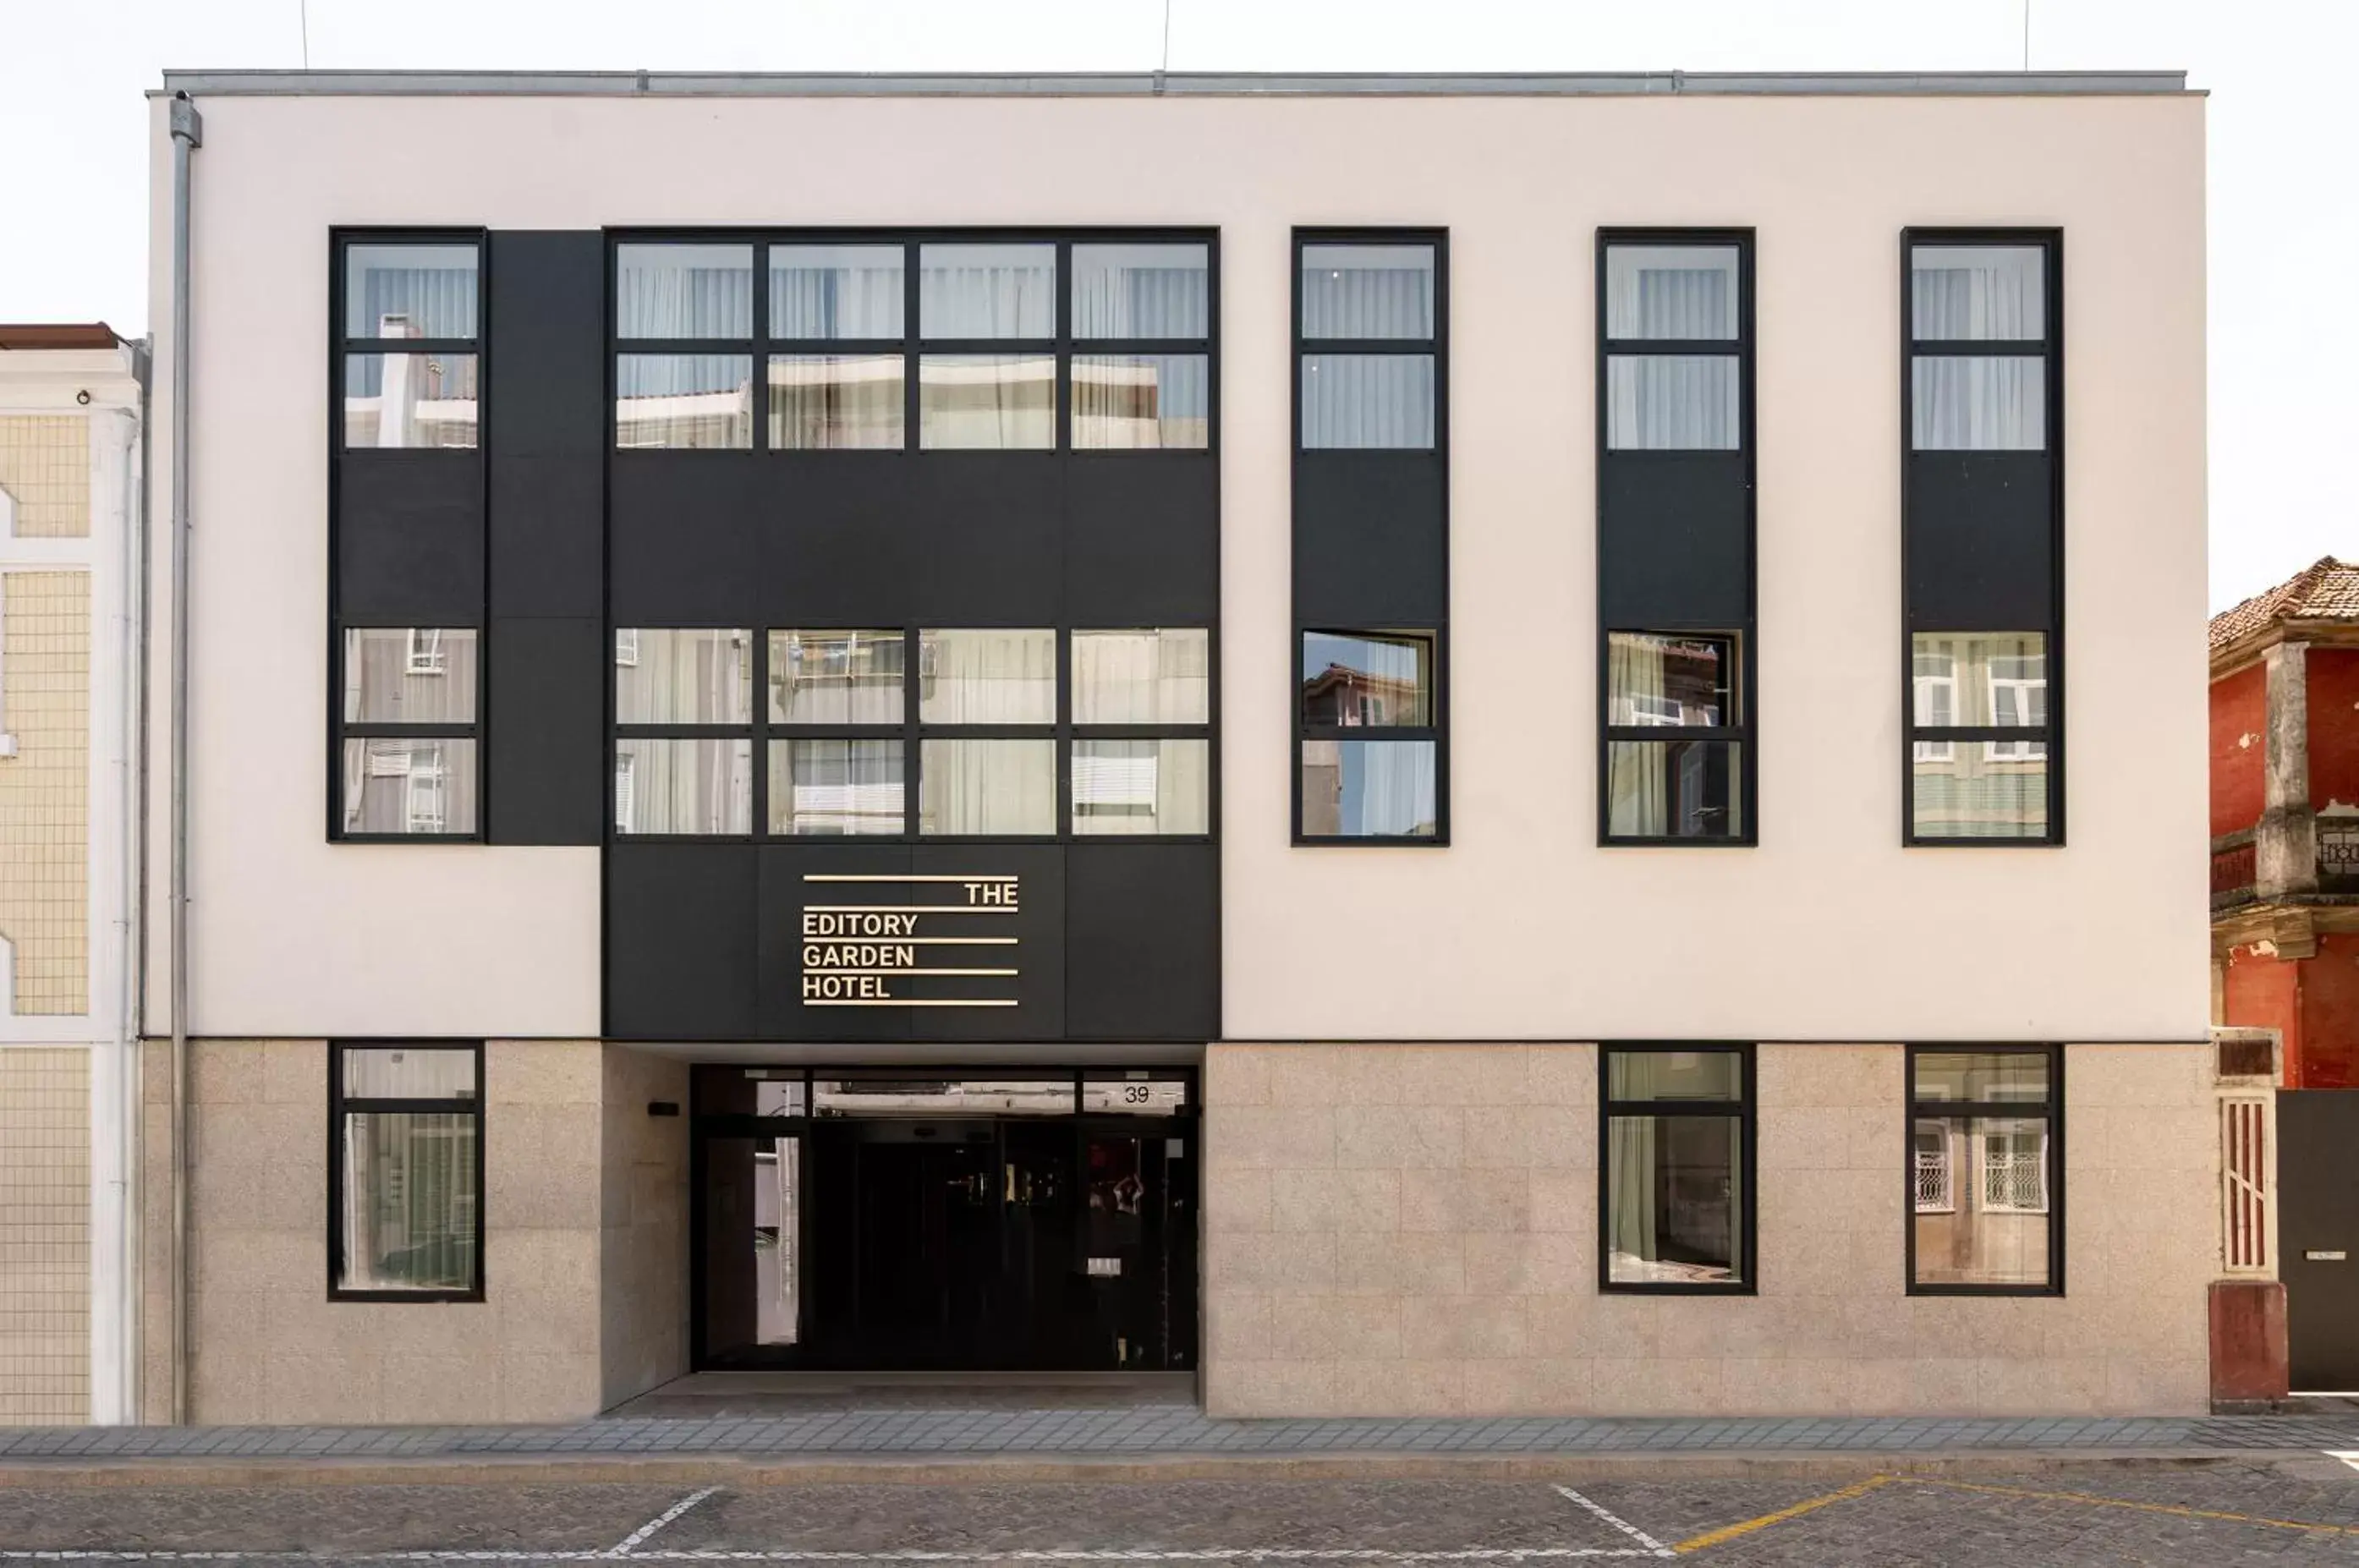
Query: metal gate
{"points": [[2318, 1233]]}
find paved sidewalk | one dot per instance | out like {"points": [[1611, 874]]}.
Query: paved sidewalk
{"points": [[1178, 1430]]}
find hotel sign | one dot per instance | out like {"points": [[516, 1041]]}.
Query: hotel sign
{"points": [[895, 940]]}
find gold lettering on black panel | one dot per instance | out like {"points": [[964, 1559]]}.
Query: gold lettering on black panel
{"points": [[866, 955]]}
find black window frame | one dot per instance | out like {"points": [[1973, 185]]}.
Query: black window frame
{"points": [[1437, 347], [1744, 1110], [340, 345], [2050, 1110], [912, 731], [913, 347], [340, 1105], [2049, 348], [1744, 687]]}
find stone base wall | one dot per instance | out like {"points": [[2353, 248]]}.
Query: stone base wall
{"points": [[1412, 1230], [572, 1182]]}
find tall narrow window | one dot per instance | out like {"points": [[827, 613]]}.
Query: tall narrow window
{"points": [[410, 327], [406, 751], [1986, 1170], [1371, 536], [683, 731], [1982, 536], [1368, 722], [1676, 1193], [405, 1182], [1676, 763]]}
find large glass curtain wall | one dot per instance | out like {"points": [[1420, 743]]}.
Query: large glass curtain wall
{"points": [[879, 342]]}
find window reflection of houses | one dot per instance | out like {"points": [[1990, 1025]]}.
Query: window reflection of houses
{"points": [[1980, 1196], [1356, 697], [1986, 786]]}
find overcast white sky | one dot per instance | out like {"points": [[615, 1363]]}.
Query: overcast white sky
{"points": [[2284, 175]]}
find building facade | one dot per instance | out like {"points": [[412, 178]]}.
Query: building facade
{"points": [[70, 485], [1397, 742], [2285, 922]]}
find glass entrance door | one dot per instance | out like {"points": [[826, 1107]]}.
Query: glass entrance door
{"points": [[1024, 1239]]}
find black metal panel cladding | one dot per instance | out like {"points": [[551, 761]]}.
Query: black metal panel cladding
{"points": [[409, 537], [1143, 933], [544, 323], [1675, 539], [1982, 548], [1371, 538], [547, 734], [1119, 941], [681, 920]]}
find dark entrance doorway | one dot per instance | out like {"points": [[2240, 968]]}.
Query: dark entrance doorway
{"points": [[872, 1221], [2318, 1235]]}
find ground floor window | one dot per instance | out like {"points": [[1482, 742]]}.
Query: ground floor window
{"points": [[1986, 1170], [1677, 1189], [405, 1182]]}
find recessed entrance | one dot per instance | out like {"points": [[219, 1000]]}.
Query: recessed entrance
{"points": [[899, 1220]]}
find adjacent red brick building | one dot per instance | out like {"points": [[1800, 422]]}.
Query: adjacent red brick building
{"points": [[2285, 820]]}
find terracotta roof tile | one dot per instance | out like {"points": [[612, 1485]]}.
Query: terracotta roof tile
{"points": [[2326, 591], [50, 335]]}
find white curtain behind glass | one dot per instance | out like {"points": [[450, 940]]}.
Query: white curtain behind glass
{"points": [[1367, 400], [1671, 291], [1157, 677], [1978, 292], [1978, 403], [987, 291], [1140, 291], [1632, 1234], [411, 291], [988, 677], [836, 291], [989, 787], [1672, 403], [684, 291], [1367, 292], [1384, 789]]}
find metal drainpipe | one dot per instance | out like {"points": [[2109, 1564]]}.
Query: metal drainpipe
{"points": [[131, 1031], [188, 134]]}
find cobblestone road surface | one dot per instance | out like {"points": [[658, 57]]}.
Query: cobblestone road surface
{"points": [[2285, 1509]]}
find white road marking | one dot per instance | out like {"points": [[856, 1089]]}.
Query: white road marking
{"points": [[628, 1543], [2348, 1456], [1110, 1554], [1654, 1548]]}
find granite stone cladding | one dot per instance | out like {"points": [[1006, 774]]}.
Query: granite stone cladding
{"points": [[1408, 1230]]}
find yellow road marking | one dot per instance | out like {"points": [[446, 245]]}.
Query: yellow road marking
{"points": [[1730, 1532], [2096, 1501]]}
